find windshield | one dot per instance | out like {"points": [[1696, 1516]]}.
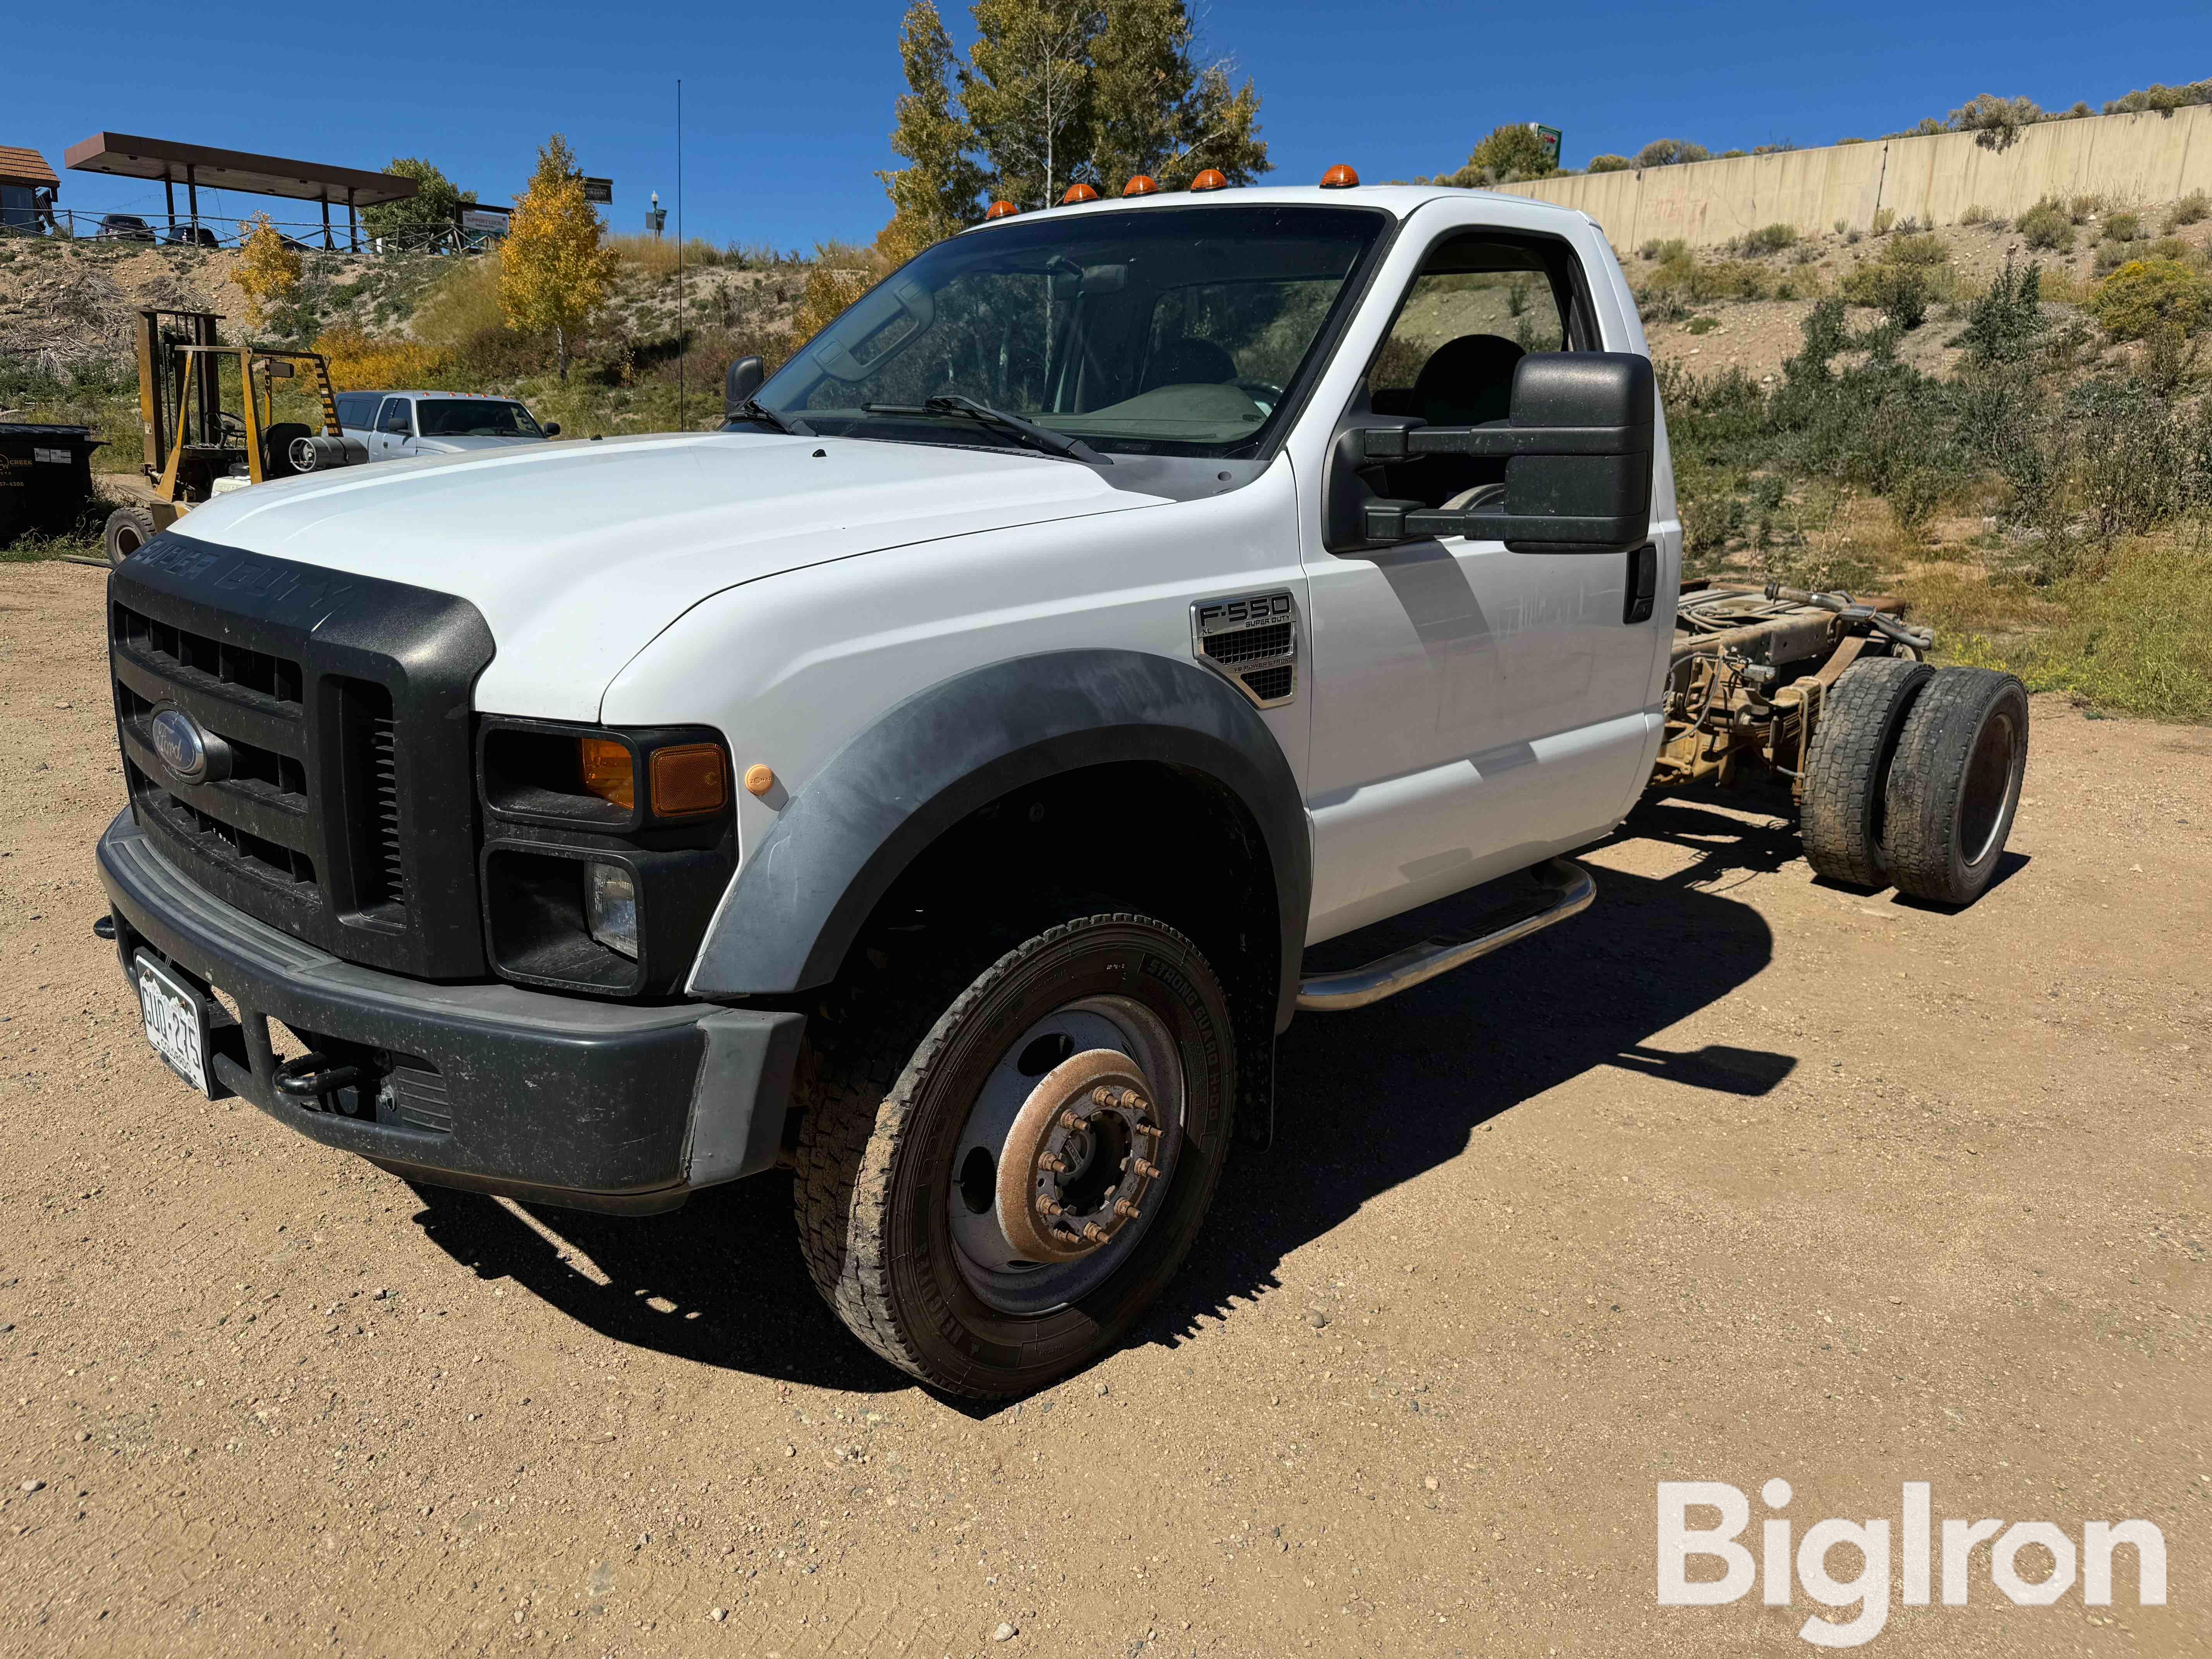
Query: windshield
{"points": [[1163, 330], [474, 417]]}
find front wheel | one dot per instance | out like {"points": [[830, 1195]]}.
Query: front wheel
{"points": [[996, 1178], [129, 528]]}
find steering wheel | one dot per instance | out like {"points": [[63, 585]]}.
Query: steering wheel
{"points": [[1262, 393]]}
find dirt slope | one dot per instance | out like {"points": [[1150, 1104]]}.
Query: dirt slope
{"points": [[1735, 1176]]}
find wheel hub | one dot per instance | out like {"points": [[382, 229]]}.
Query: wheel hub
{"points": [[1079, 1157]]}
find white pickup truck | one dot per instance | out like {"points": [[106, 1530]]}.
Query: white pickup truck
{"points": [[935, 781]]}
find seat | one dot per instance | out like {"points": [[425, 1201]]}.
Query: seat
{"points": [[1185, 361], [1467, 381]]}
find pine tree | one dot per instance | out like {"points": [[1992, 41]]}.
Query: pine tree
{"points": [[1160, 112], [553, 273], [1027, 92]]}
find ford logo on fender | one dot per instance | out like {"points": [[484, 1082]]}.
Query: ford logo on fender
{"points": [[194, 755]]}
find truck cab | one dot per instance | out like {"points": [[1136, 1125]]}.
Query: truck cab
{"points": [[934, 781], [401, 425]]}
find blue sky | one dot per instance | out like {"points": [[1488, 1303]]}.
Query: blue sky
{"points": [[788, 106]]}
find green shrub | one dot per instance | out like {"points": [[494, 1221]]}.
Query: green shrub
{"points": [[1771, 240], [1702, 325], [1843, 226], [1922, 249], [2179, 249], [1609, 164], [2110, 256], [2122, 227], [2192, 208], [2082, 209], [1974, 216], [2046, 227], [1900, 292], [2145, 297], [1883, 219], [2006, 323], [1670, 152]]}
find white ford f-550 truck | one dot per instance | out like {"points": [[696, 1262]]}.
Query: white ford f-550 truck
{"points": [[935, 781]]}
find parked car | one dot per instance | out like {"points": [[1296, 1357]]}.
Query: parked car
{"points": [[942, 782], [191, 236], [124, 228], [396, 425]]}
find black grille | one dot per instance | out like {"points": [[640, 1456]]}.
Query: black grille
{"points": [[1250, 645], [289, 870], [348, 815], [1269, 684], [194, 659]]}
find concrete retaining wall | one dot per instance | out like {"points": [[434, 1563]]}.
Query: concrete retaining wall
{"points": [[2142, 159]]}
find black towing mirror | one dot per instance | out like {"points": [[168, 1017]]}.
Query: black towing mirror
{"points": [[745, 378], [1578, 449]]}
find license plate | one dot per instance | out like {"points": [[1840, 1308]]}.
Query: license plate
{"points": [[176, 1023]]}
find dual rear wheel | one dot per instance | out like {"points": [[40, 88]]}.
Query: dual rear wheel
{"points": [[1913, 777]]}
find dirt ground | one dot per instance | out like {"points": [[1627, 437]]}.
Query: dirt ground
{"points": [[1736, 1176]]}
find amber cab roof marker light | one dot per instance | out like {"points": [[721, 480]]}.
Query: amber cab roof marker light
{"points": [[1211, 179], [1079, 192], [1142, 185], [1339, 177], [1001, 211]]}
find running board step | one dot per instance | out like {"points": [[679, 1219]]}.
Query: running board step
{"points": [[1571, 891]]}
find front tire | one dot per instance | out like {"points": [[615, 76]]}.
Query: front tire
{"points": [[129, 529], [1081, 1057]]}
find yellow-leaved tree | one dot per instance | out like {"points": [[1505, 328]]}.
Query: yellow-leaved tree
{"points": [[553, 272], [268, 272]]}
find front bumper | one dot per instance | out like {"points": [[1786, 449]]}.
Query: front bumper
{"points": [[549, 1098]]}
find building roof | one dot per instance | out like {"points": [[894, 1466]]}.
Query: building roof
{"points": [[133, 157], [25, 167]]}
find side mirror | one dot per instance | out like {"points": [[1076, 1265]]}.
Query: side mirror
{"points": [[552, 428], [745, 378], [1578, 447]]}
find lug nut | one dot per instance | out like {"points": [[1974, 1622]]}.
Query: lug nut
{"points": [[1103, 1096], [1127, 1211], [1069, 1121], [1145, 1169], [1094, 1232], [1046, 1206]]}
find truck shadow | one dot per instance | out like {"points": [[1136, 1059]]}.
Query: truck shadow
{"points": [[1364, 1102]]}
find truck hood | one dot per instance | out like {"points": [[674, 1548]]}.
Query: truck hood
{"points": [[577, 553]]}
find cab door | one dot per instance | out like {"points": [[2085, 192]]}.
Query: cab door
{"points": [[1475, 710], [395, 430]]}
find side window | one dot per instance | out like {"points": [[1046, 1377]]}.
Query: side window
{"points": [[1480, 304], [396, 421], [356, 409]]}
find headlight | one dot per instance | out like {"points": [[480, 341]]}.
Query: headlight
{"points": [[611, 907]]}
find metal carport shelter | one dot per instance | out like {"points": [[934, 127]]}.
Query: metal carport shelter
{"points": [[193, 165]]}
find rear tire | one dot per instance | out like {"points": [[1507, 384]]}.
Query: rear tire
{"points": [[1955, 784], [888, 1203], [1847, 769], [129, 529], [277, 448]]}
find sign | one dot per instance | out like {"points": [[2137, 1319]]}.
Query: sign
{"points": [[1549, 137], [491, 221], [599, 190]]}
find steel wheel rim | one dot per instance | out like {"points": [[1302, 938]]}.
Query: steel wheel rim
{"points": [[987, 1261], [1989, 785]]}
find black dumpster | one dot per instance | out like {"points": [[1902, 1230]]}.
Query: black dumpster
{"points": [[45, 477]]}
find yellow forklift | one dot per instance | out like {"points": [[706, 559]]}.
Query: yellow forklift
{"points": [[196, 449]]}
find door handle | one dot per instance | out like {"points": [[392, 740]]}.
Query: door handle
{"points": [[1643, 585]]}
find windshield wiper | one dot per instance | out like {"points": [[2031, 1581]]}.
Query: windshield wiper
{"points": [[1041, 438], [754, 410]]}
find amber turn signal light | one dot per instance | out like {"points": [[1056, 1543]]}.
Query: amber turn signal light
{"points": [[1001, 211], [689, 778], [1211, 179], [1339, 177], [608, 771], [1142, 185], [1079, 192]]}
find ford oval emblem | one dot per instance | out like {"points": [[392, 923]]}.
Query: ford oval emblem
{"points": [[181, 744]]}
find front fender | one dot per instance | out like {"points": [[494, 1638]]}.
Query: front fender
{"points": [[801, 897]]}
